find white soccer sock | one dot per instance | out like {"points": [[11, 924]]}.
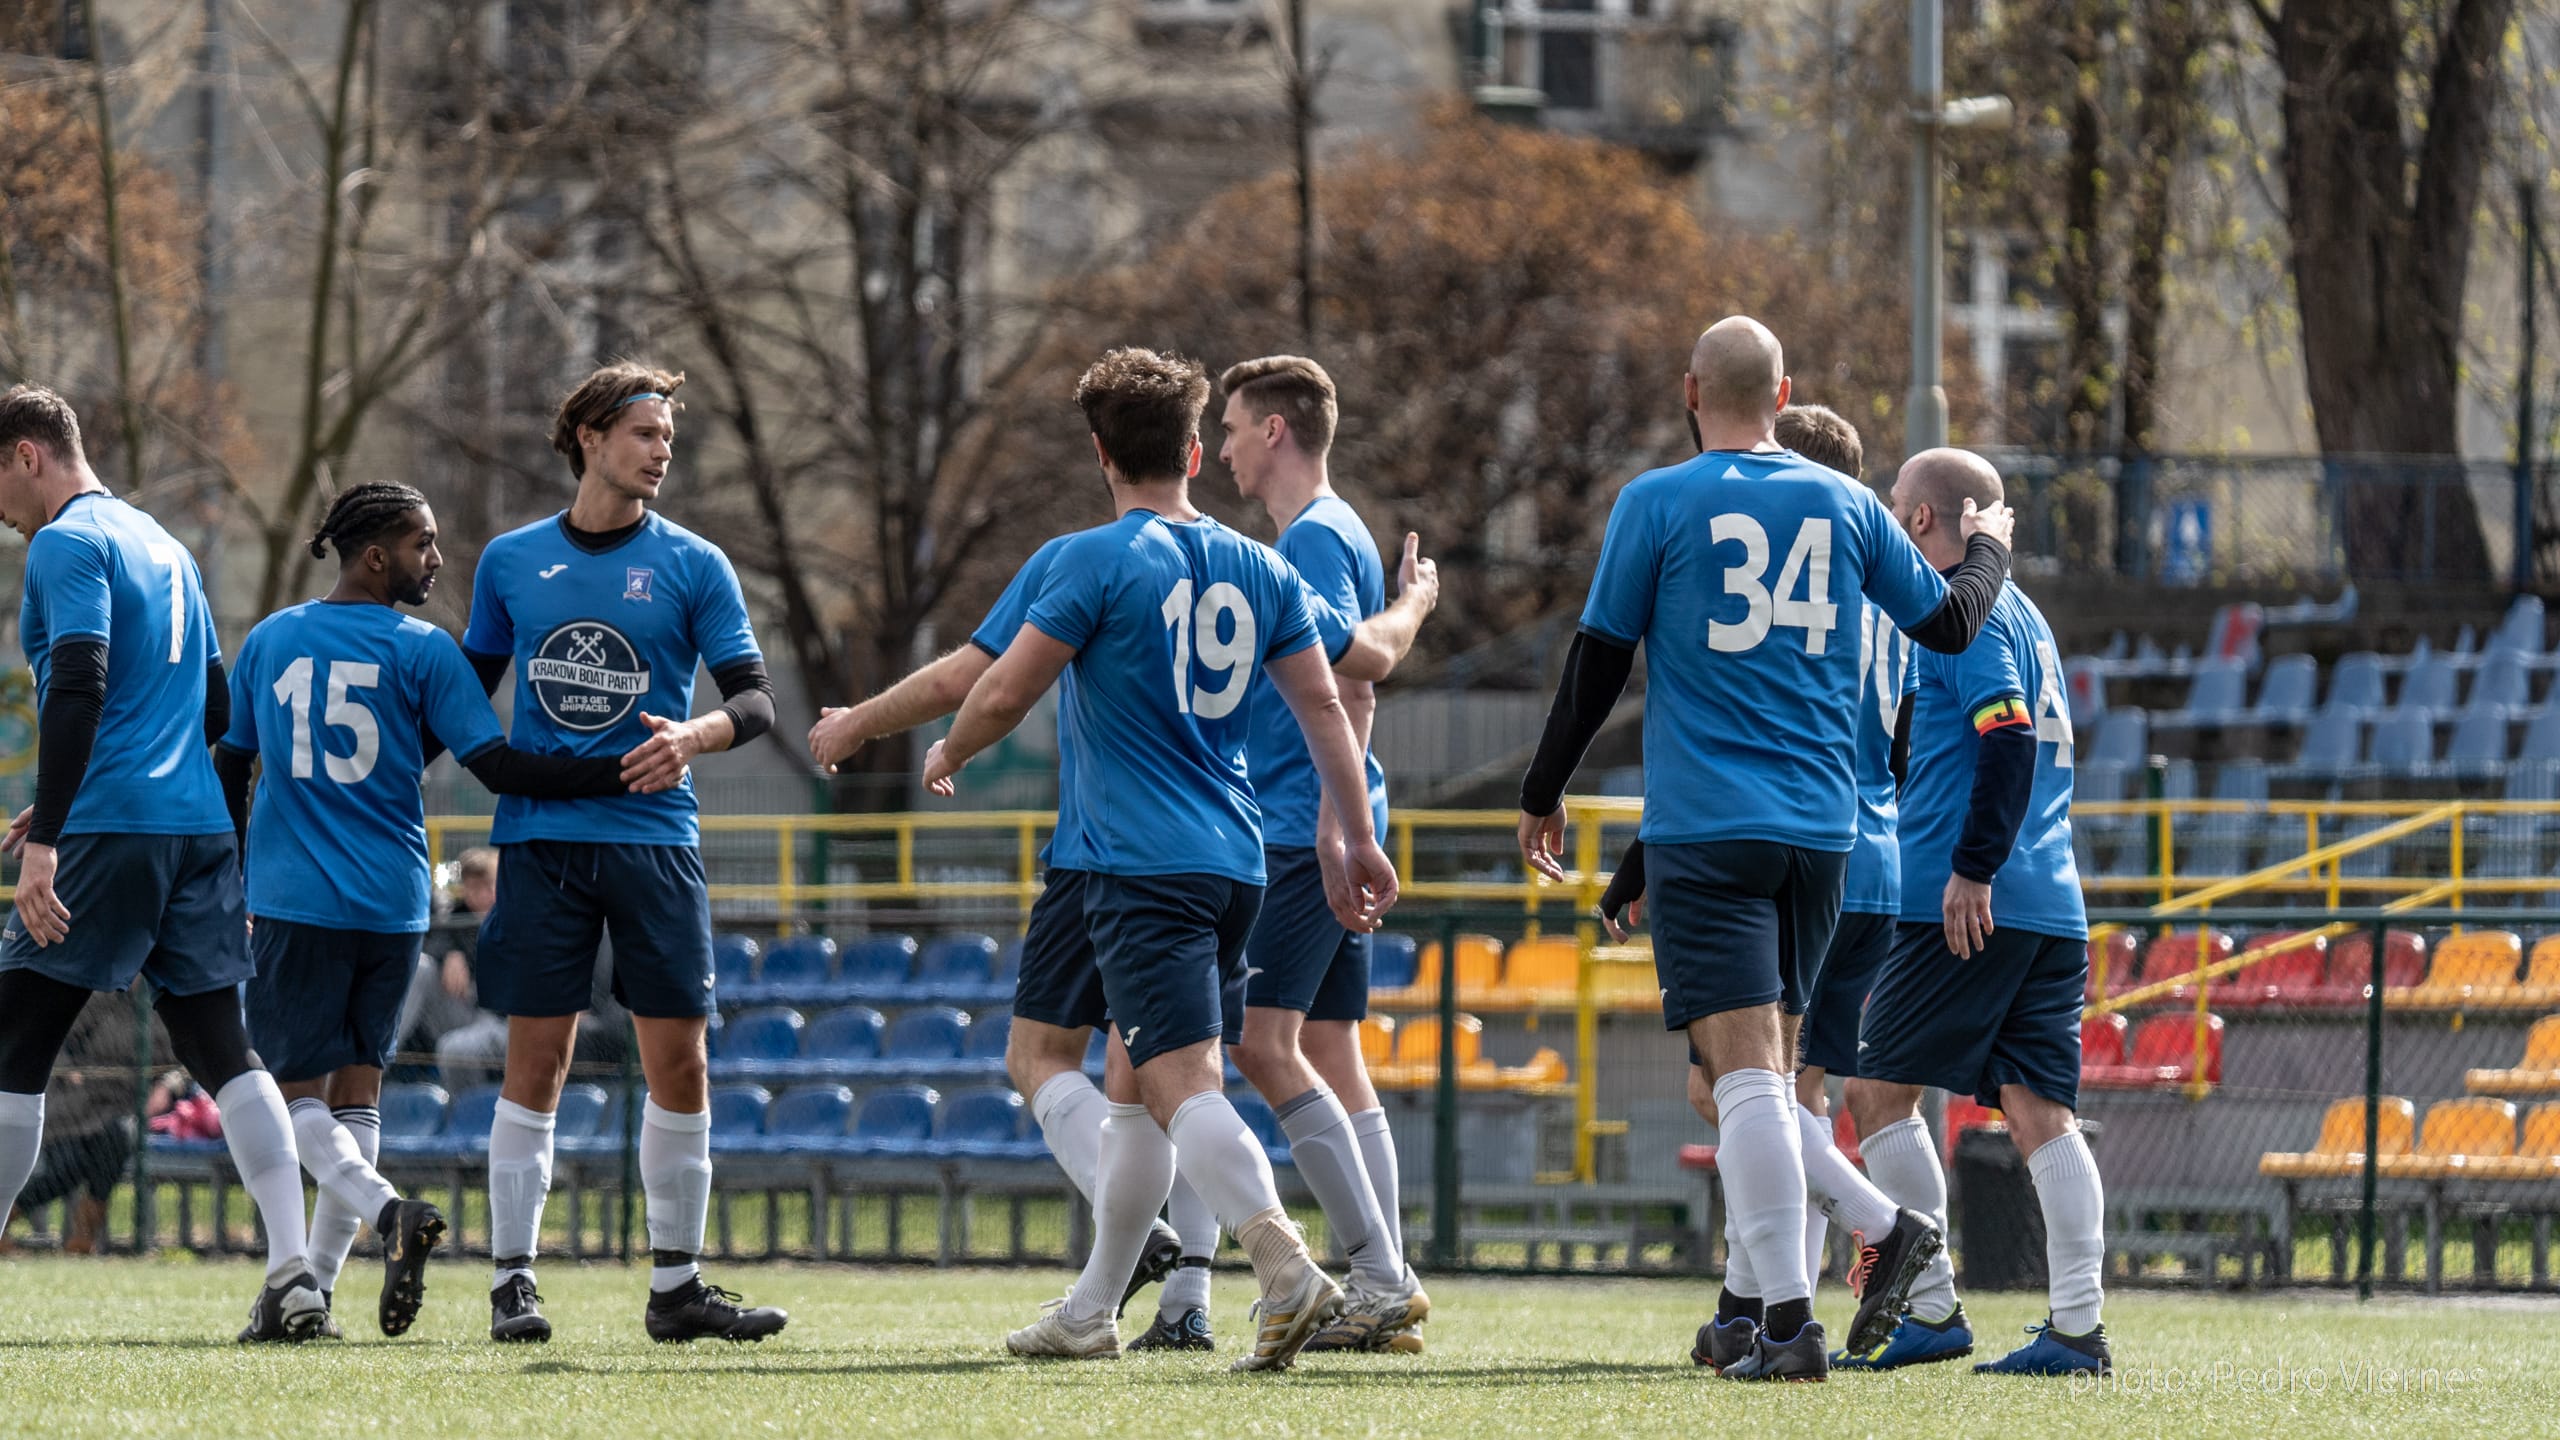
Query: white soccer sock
{"points": [[675, 1175], [260, 1135], [1853, 1199], [334, 1227], [1135, 1178], [1761, 1157], [1226, 1164], [1069, 1110], [1378, 1157], [21, 1137], [2075, 1239], [1904, 1163], [1328, 1157], [1738, 1278], [1187, 1288], [1817, 1229], [519, 1179], [336, 1163]]}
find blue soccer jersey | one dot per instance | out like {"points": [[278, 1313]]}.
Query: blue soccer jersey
{"points": [[995, 633], [1170, 622], [1346, 584], [336, 701], [2013, 664], [599, 639], [1740, 573], [102, 570], [1874, 882]]}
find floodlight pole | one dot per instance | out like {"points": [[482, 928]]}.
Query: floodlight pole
{"points": [[1924, 424]]}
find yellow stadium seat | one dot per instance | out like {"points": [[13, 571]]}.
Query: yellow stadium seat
{"points": [[1544, 1068], [2542, 972], [1418, 1041], [2455, 1135], [2537, 1073], [1479, 966], [1377, 1040], [1622, 977], [1542, 971], [2541, 1137], [2473, 969], [2340, 1149]]}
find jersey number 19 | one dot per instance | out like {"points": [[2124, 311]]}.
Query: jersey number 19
{"points": [[1233, 655]]}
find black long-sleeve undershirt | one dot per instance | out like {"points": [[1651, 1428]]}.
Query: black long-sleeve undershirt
{"points": [[67, 715], [1595, 674], [1973, 587], [2004, 782], [217, 701]]}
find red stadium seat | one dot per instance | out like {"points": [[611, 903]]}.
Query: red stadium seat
{"points": [[1963, 1114], [2119, 950], [2289, 977], [2101, 1041], [2404, 964], [2180, 952], [2163, 1053]]}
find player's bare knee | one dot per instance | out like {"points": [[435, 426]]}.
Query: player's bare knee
{"points": [[1702, 1096], [1874, 1104], [1811, 1090], [354, 1085], [1036, 1053], [2034, 1121]]}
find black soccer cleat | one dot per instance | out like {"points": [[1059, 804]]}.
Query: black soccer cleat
{"points": [[1163, 1252], [707, 1312], [515, 1313], [1801, 1357], [289, 1313], [410, 1231], [1886, 1268], [1187, 1331], [1722, 1343]]}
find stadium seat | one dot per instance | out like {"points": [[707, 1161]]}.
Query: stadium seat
{"points": [[2503, 682], [988, 1118], [412, 1111], [2084, 681], [963, 962], [2479, 745], [734, 956], [2542, 734], [739, 1109], [1377, 1040], [2097, 782], [2224, 844], [938, 1033], [1965, 1113], [772, 1034], [2339, 1151], [2124, 739], [2453, 1133], [2233, 633], [2118, 954], [2218, 695], [2101, 1042], [799, 962], [467, 1119], [1542, 971], [2478, 966], [988, 1034], [2332, 742], [2430, 681], [2520, 633], [2179, 954], [1418, 1041], [1394, 962], [1479, 966], [2287, 694], [1009, 963], [1094, 1051], [2403, 742], [2539, 1139], [877, 964], [2355, 682], [580, 1114], [2404, 963], [2162, 1052], [2536, 1072], [1265, 1125], [809, 1112], [2289, 976], [848, 1034], [2542, 973]]}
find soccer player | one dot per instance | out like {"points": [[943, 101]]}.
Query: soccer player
{"points": [[1981, 995], [1058, 998], [1734, 569], [605, 610], [127, 863], [1306, 977], [1165, 616], [345, 700]]}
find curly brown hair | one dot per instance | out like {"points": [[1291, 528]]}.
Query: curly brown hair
{"points": [[599, 400], [1145, 409]]}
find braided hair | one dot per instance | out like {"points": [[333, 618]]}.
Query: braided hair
{"points": [[362, 514]]}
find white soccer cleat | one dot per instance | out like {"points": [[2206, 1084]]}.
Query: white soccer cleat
{"points": [[1377, 1321], [1056, 1337], [1288, 1316]]}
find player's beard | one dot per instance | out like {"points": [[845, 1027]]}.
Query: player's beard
{"points": [[1697, 437]]}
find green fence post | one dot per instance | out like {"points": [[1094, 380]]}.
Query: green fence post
{"points": [[2372, 1114], [145, 1230], [2155, 788], [822, 797], [631, 1097], [1444, 1108]]}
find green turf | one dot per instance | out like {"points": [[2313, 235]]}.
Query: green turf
{"points": [[126, 1347]]}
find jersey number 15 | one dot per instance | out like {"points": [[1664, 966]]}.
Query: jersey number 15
{"points": [[293, 690]]}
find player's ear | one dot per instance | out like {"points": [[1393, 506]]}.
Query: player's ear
{"points": [[1786, 389], [1192, 471]]}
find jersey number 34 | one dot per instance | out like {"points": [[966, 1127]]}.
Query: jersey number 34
{"points": [[1806, 570]]}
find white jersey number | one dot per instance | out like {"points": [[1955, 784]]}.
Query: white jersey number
{"points": [[293, 690], [2053, 712], [1806, 568], [1883, 662], [1233, 655], [176, 559]]}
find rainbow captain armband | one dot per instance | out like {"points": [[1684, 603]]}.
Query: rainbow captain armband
{"points": [[2007, 712]]}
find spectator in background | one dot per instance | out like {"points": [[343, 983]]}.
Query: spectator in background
{"points": [[444, 1014], [89, 1128]]}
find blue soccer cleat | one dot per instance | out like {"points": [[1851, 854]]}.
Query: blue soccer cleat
{"points": [[2053, 1353], [1915, 1342]]}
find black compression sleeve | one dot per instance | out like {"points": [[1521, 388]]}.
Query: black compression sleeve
{"points": [[217, 701], [1626, 885], [1595, 672], [505, 770], [1898, 759], [75, 696], [749, 693], [2004, 778], [490, 668], [1972, 587], [231, 767]]}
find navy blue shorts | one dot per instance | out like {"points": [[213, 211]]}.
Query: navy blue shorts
{"points": [[1859, 945], [1738, 923], [558, 898], [2008, 1016], [1171, 952], [1299, 957], [325, 999], [166, 907], [1059, 984]]}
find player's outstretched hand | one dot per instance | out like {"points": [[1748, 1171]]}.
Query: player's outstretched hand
{"points": [[1626, 922], [1418, 573], [1369, 888], [47, 919], [1542, 843], [940, 775], [1968, 915], [659, 762], [1998, 522], [833, 739], [17, 837]]}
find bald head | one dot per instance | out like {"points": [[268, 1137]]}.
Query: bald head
{"points": [[1739, 368], [1944, 478]]}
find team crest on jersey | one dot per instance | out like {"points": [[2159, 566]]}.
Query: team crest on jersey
{"points": [[635, 583], [587, 676]]}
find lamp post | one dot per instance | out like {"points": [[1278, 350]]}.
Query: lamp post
{"points": [[1925, 411]]}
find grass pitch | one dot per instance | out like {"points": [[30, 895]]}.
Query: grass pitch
{"points": [[126, 1347]]}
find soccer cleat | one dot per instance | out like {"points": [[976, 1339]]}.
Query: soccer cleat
{"points": [[410, 1231], [1163, 1252], [1057, 1336], [330, 1330], [1287, 1318], [1883, 1276], [2053, 1353], [1186, 1331], [1915, 1342], [1722, 1343], [288, 1313], [515, 1313], [1800, 1358], [701, 1311], [1372, 1320]]}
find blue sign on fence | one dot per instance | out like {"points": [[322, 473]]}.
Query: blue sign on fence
{"points": [[2186, 557]]}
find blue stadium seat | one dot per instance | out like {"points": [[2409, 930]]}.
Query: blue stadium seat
{"points": [[1394, 962], [2218, 696], [2225, 844], [850, 1033], [2521, 632], [939, 1033], [2356, 681], [466, 1120], [2510, 846], [988, 1034], [1094, 1051], [2332, 743], [733, 956], [738, 1110], [1009, 964], [2287, 694], [809, 1112], [2371, 862], [412, 1112], [2504, 681], [581, 1112], [2097, 782], [897, 1120], [2084, 681], [986, 1120], [2542, 732], [1258, 1117], [2404, 742], [2124, 739], [2430, 681], [761, 1035], [801, 962], [1621, 781], [878, 964], [959, 962], [2479, 745]]}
